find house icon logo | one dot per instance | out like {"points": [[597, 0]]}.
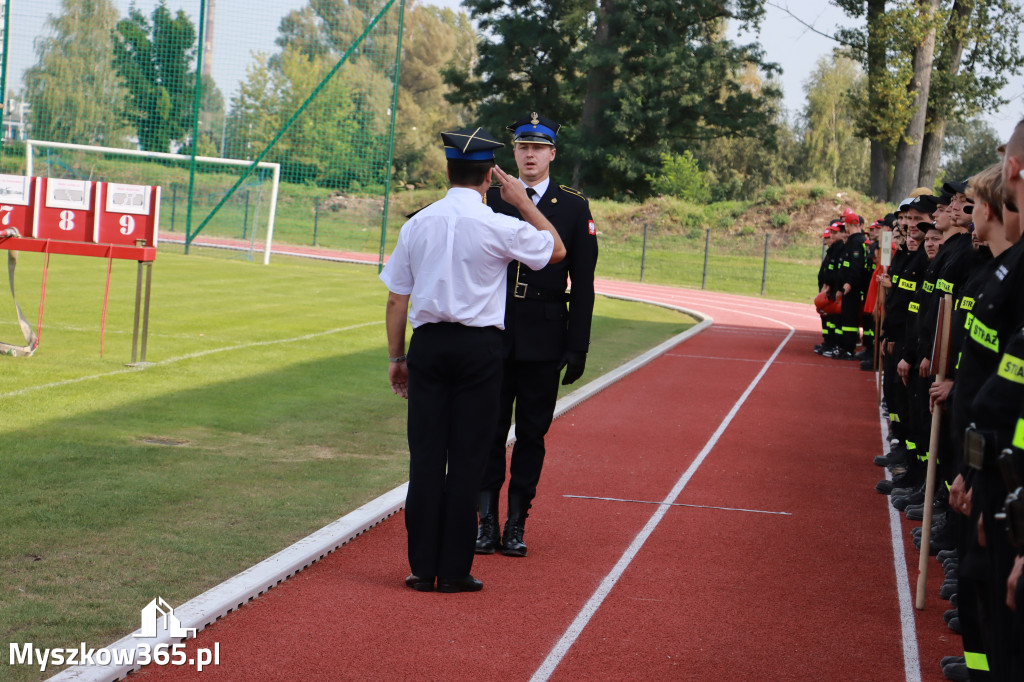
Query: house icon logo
{"points": [[158, 617]]}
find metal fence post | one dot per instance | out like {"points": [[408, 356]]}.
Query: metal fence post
{"points": [[643, 254], [764, 269], [245, 220], [316, 218], [707, 247], [174, 202]]}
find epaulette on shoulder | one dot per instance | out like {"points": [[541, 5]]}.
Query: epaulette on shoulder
{"points": [[573, 190]]}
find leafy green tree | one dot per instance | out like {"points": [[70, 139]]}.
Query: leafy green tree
{"points": [[681, 177], [75, 94], [832, 149], [322, 32], [970, 148], [631, 81], [155, 60], [929, 63]]}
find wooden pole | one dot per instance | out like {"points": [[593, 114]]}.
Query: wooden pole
{"points": [[879, 319], [942, 344]]}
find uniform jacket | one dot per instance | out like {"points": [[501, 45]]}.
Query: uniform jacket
{"points": [[828, 273], [540, 327], [855, 269], [906, 272]]}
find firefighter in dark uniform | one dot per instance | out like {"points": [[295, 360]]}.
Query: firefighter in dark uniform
{"points": [[855, 279], [828, 285], [546, 329]]}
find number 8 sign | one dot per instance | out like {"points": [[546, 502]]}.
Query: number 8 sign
{"points": [[64, 210]]}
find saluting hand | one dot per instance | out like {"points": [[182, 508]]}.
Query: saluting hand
{"points": [[512, 191]]}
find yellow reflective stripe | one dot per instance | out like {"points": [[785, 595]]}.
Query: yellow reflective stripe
{"points": [[928, 287], [976, 661], [945, 286], [1012, 369], [846, 263], [984, 336], [968, 320], [850, 329], [894, 418], [895, 279], [908, 284], [958, 356], [967, 303], [913, 307], [1018, 435], [911, 445], [923, 457]]}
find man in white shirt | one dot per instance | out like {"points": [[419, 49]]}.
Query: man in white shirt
{"points": [[447, 275]]}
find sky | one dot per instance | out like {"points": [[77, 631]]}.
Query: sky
{"points": [[243, 27]]}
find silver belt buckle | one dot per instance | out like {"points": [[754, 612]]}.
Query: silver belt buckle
{"points": [[520, 290]]}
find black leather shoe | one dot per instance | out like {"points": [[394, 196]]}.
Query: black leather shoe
{"points": [[488, 538], [956, 671], [907, 497], [467, 584], [512, 539], [420, 584]]}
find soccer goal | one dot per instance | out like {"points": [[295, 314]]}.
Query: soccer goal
{"points": [[246, 219]]}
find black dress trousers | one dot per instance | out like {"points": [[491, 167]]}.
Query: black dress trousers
{"points": [[454, 380]]}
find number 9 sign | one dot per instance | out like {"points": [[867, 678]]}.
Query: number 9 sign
{"points": [[129, 214], [127, 224]]}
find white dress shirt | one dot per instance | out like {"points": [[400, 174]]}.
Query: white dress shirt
{"points": [[539, 188], [452, 257]]}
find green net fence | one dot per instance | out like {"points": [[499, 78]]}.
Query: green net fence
{"points": [[199, 91]]}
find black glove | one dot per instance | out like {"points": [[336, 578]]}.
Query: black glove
{"points": [[576, 363]]}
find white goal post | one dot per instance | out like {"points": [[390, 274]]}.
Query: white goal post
{"points": [[30, 145]]}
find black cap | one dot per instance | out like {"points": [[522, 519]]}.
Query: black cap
{"points": [[889, 219], [944, 199], [470, 144], [925, 204], [534, 128], [924, 226], [955, 187]]}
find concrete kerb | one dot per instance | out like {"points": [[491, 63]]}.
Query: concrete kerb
{"points": [[221, 600]]}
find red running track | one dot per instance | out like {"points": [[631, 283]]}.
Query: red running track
{"points": [[774, 562]]}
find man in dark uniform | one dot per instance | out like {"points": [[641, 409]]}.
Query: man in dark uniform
{"points": [[542, 335], [855, 279], [827, 287], [447, 277]]}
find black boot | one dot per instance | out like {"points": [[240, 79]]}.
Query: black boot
{"points": [[512, 539], [487, 538]]}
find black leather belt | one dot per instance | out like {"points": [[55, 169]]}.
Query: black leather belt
{"points": [[527, 292]]}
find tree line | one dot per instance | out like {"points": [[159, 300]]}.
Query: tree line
{"points": [[654, 96]]}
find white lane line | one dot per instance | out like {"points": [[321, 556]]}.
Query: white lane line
{"points": [[911, 659], [190, 356], [677, 504], [548, 666]]}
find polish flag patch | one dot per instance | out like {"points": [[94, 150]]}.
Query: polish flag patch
{"points": [[591, 228]]}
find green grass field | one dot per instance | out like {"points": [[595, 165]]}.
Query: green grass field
{"points": [[264, 415]]}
